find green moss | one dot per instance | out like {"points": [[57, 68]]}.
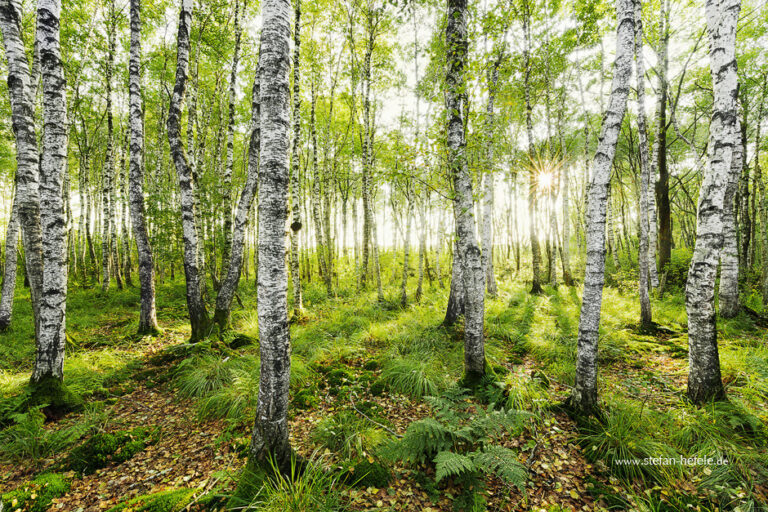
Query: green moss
{"points": [[339, 377], [378, 387], [372, 364], [105, 448], [55, 395], [38, 494], [305, 398], [172, 500]]}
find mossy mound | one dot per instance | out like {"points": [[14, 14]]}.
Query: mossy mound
{"points": [[36, 495], [172, 500], [112, 447], [305, 398], [339, 377], [54, 395]]}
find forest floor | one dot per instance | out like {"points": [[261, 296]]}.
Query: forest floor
{"points": [[363, 372]]}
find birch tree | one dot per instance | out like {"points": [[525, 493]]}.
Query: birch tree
{"points": [[646, 318], [294, 182], [9, 270], [148, 314], [269, 442], [48, 372], [228, 166], [463, 202], [22, 90], [232, 278], [583, 399], [704, 380], [728, 290], [198, 314]]}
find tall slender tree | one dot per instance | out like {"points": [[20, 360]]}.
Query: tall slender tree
{"points": [[704, 379], [583, 397], [269, 443], [22, 87], [198, 314], [295, 145], [244, 206], [148, 314], [646, 315], [48, 373], [463, 202]]}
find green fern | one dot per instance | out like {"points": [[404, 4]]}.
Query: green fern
{"points": [[503, 463], [448, 464], [422, 440]]}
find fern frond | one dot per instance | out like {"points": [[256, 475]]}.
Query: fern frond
{"points": [[422, 440], [503, 463], [449, 464]]}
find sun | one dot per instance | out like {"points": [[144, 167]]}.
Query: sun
{"points": [[546, 180]]}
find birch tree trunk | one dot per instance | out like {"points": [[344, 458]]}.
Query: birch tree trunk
{"points": [[148, 314], [230, 156], [646, 315], [583, 397], [270, 433], [22, 91], [9, 271], [367, 158], [662, 186], [763, 208], [704, 380], [488, 188], [108, 171], [48, 372], [198, 315], [126, 238], [232, 279], [463, 202], [728, 291], [294, 183], [661, 134], [535, 249]]}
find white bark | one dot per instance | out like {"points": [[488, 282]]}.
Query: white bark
{"points": [[9, 271], [704, 380], [294, 182], [49, 360], [21, 88], [198, 315], [584, 395], [463, 202], [232, 278], [643, 259], [230, 151], [488, 188], [270, 432], [148, 315], [728, 291]]}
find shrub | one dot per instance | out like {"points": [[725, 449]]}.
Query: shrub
{"points": [[36, 495]]}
